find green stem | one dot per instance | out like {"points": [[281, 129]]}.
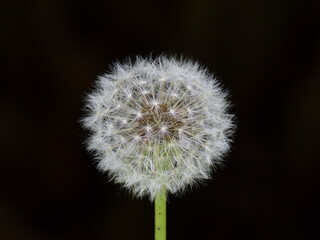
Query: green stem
{"points": [[160, 215]]}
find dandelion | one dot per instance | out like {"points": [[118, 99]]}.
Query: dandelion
{"points": [[158, 126]]}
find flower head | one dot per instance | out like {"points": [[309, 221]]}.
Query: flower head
{"points": [[158, 123]]}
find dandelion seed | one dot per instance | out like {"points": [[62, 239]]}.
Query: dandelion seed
{"points": [[137, 138], [164, 129]]}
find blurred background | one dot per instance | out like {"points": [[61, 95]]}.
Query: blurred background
{"points": [[267, 53]]}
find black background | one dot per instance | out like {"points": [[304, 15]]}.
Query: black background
{"points": [[267, 53]]}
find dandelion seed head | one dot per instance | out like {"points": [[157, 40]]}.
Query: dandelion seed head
{"points": [[158, 122]]}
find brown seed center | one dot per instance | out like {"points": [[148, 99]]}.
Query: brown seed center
{"points": [[162, 123]]}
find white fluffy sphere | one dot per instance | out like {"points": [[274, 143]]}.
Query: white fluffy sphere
{"points": [[158, 123]]}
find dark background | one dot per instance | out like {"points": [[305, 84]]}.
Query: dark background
{"points": [[267, 53]]}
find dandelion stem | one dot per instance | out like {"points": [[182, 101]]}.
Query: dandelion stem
{"points": [[160, 215]]}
